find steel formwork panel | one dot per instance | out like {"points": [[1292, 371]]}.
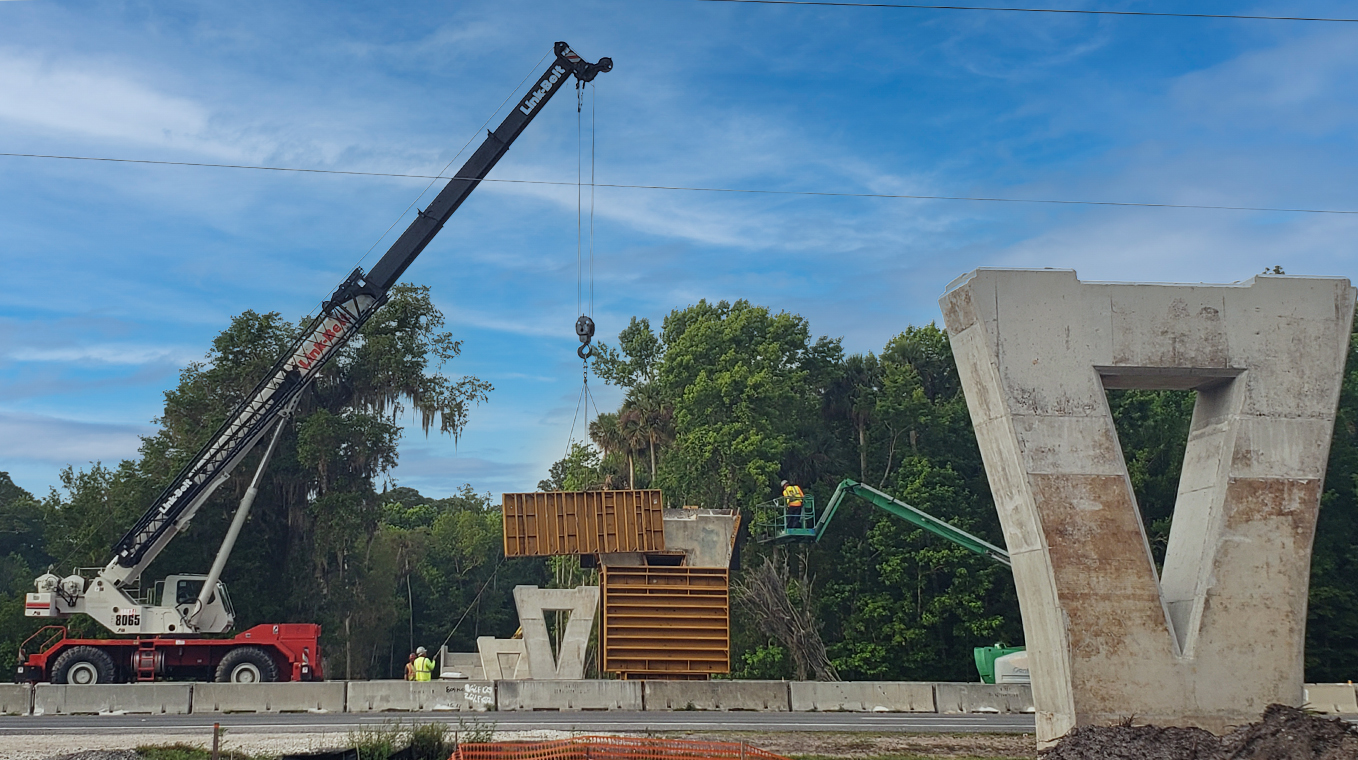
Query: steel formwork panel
{"points": [[666, 622], [553, 523]]}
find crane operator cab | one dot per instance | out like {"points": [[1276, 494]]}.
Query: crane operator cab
{"points": [[216, 615]]}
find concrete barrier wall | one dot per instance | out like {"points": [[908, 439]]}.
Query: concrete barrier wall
{"points": [[326, 696], [420, 696], [1332, 698], [764, 696], [128, 699], [380, 696], [862, 696], [16, 699], [983, 698], [569, 695]]}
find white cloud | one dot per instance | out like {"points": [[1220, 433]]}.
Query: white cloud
{"points": [[85, 98], [108, 353], [57, 442]]}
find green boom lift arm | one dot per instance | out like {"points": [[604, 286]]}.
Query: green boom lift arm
{"points": [[788, 528]]}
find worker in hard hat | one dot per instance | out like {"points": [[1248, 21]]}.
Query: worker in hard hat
{"points": [[424, 667], [792, 500]]}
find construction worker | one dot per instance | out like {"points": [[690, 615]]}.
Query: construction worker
{"points": [[424, 667], [792, 500], [410, 667]]}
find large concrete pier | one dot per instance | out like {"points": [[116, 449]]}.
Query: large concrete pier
{"points": [[1219, 634]]}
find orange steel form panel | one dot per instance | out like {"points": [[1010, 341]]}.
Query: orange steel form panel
{"points": [[613, 748], [550, 523], [666, 622]]}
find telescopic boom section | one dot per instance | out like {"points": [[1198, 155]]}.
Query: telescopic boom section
{"points": [[351, 305]]}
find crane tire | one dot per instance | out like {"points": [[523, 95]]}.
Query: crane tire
{"points": [[84, 666], [247, 665]]}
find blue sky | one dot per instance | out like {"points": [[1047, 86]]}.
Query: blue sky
{"points": [[118, 275]]}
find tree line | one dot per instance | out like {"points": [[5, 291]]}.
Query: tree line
{"points": [[721, 402]]}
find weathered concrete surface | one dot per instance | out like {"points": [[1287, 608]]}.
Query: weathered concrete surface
{"points": [[706, 536], [16, 699], [762, 696], [533, 603], [1332, 698], [461, 665], [130, 699], [862, 696], [1220, 635], [419, 696], [502, 659], [325, 696], [983, 698], [569, 695]]}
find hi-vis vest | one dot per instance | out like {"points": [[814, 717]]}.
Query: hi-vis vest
{"points": [[793, 494], [423, 668]]}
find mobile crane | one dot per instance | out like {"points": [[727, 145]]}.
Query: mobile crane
{"points": [[166, 619]]}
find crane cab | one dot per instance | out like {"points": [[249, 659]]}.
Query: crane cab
{"points": [[181, 592]]}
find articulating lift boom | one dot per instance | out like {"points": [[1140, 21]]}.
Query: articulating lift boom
{"points": [[780, 526], [199, 604], [775, 523]]}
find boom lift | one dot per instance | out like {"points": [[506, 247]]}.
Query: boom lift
{"points": [[164, 616], [776, 523]]}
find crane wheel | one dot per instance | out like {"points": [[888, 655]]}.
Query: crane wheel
{"points": [[84, 666], [247, 665]]}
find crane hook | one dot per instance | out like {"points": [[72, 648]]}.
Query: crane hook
{"points": [[584, 330]]}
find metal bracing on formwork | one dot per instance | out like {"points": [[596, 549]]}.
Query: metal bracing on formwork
{"points": [[666, 622], [551, 523]]}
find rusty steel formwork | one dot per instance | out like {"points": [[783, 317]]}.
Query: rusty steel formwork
{"points": [[666, 622], [552, 523]]}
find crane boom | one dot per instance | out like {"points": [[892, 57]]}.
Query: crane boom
{"points": [[356, 299], [351, 305]]}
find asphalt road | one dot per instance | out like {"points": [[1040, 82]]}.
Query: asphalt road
{"points": [[583, 722]]}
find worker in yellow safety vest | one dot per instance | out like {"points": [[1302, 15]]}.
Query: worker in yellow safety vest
{"points": [[424, 667], [792, 499]]}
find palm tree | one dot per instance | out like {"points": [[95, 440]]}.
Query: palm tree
{"points": [[657, 419], [606, 434], [632, 429]]}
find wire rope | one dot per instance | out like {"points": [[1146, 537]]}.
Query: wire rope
{"points": [[685, 188]]}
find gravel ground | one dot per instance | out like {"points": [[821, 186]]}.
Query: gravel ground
{"points": [[94, 746]]}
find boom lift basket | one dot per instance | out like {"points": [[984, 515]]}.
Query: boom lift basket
{"points": [[776, 523]]}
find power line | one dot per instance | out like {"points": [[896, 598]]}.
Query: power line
{"points": [[1076, 11], [748, 191]]}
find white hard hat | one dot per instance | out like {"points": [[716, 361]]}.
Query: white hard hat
{"points": [[420, 650], [784, 482]]}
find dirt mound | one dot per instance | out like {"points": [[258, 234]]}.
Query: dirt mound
{"points": [[1135, 743], [1284, 733]]}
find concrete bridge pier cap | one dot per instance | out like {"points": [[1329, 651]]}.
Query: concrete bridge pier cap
{"points": [[1218, 635]]}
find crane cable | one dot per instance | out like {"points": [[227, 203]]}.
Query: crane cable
{"points": [[584, 326]]}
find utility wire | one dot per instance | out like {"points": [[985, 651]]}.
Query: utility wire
{"points": [[619, 185], [913, 6]]}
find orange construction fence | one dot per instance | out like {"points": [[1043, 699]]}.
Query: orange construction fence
{"points": [[613, 748]]}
